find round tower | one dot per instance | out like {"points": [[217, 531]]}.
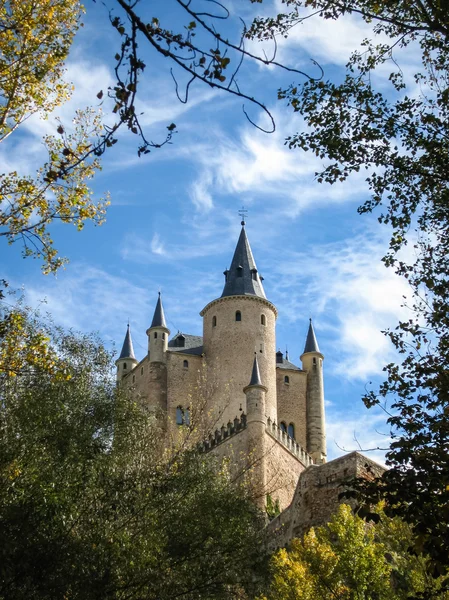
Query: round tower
{"points": [[158, 334], [256, 421], [127, 360], [312, 362], [239, 323]]}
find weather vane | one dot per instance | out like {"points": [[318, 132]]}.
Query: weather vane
{"points": [[242, 212]]}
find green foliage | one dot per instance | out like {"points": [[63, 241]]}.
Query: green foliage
{"points": [[398, 133], [91, 506], [273, 509], [350, 560]]}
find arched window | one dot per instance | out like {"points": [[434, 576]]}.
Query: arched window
{"points": [[163, 336], [283, 426], [214, 321], [291, 431], [141, 370], [286, 379], [134, 379], [262, 320], [124, 365], [185, 364], [314, 361], [238, 316], [155, 334]]}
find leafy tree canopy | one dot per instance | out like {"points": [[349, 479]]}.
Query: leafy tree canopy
{"points": [[398, 132], [350, 560], [91, 506]]}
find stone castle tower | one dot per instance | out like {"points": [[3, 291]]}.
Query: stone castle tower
{"points": [[256, 408]]}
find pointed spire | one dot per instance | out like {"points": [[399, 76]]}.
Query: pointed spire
{"points": [[255, 375], [242, 278], [159, 317], [311, 343], [127, 349]]}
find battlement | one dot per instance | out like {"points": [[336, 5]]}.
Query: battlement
{"points": [[290, 444], [222, 434]]}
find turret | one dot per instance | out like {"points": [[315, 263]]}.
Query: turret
{"points": [[255, 397], [158, 334], [256, 421], [312, 362], [127, 360], [235, 325]]}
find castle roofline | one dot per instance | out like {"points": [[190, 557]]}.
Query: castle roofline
{"points": [[159, 316], [127, 348], [242, 278], [264, 301]]}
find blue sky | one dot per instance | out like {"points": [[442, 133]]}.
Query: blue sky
{"points": [[173, 221]]}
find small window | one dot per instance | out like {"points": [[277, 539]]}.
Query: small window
{"points": [[124, 365], [214, 321], [134, 379], [262, 320], [314, 360], [283, 426], [239, 271], [141, 370], [238, 316], [182, 416], [254, 274], [155, 334], [286, 379], [185, 364], [291, 431], [163, 336]]}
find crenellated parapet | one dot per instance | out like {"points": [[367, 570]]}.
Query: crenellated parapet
{"points": [[282, 436], [224, 433]]}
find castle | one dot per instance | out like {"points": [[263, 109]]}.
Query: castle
{"points": [[251, 405]]}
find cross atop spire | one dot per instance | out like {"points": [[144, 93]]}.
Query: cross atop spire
{"points": [[243, 278], [242, 212]]}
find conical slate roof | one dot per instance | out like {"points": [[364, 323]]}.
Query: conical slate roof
{"points": [[159, 317], [311, 343], [127, 349], [242, 278], [255, 375]]}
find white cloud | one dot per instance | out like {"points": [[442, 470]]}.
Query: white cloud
{"points": [[366, 432], [351, 294]]}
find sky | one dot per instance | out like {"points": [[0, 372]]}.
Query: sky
{"points": [[173, 222]]}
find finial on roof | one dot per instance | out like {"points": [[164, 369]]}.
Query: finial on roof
{"points": [[159, 316], [255, 375], [286, 353], [242, 212], [127, 348], [311, 343]]}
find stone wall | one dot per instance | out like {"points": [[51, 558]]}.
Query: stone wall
{"points": [[229, 347], [317, 496], [291, 402]]}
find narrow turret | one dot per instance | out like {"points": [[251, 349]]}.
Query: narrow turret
{"points": [[312, 362], [158, 334], [127, 360], [256, 423]]}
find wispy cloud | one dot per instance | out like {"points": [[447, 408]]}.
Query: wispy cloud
{"points": [[351, 294]]}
